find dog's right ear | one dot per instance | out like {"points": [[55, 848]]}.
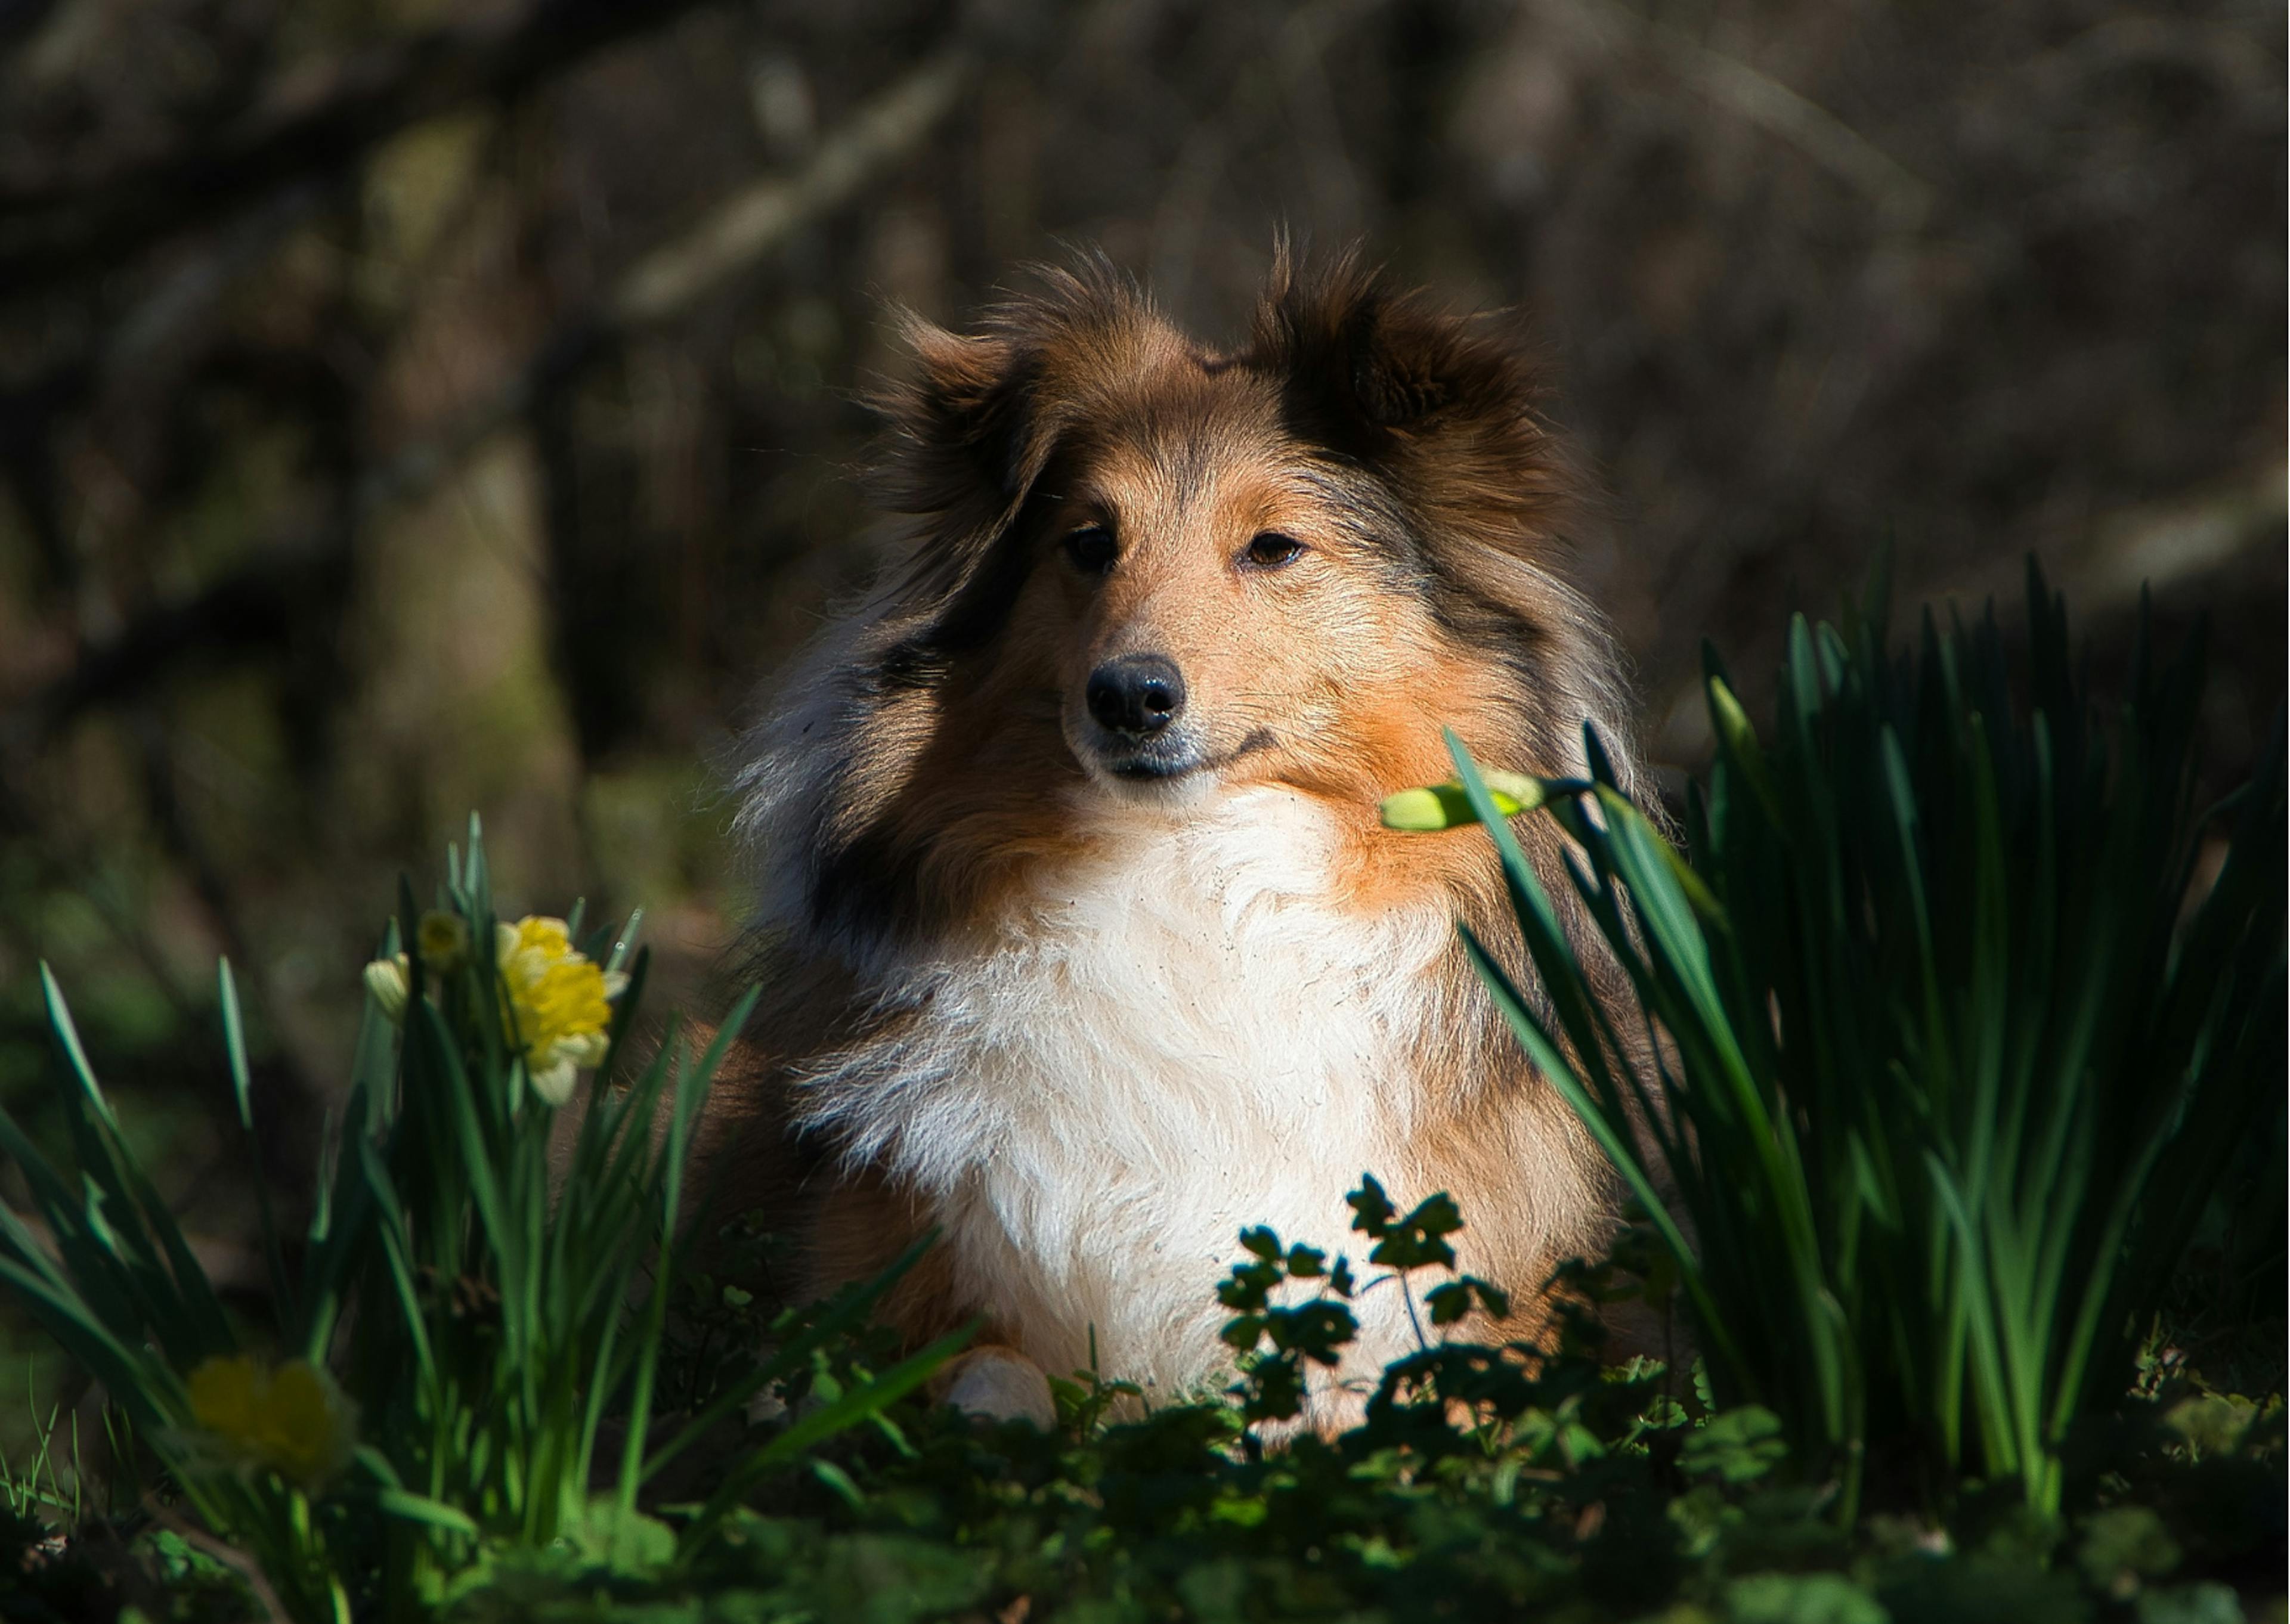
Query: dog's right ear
{"points": [[960, 456], [963, 452]]}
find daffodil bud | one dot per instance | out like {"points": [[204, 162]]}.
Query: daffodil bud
{"points": [[1443, 806], [389, 981], [444, 940]]}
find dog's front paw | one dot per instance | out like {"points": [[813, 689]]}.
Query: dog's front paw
{"points": [[999, 1384]]}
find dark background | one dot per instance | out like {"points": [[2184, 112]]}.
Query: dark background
{"points": [[409, 407]]}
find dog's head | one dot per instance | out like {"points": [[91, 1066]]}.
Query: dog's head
{"points": [[1180, 570]]}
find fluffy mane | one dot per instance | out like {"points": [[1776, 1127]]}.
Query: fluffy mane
{"points": [[1430, 425]]}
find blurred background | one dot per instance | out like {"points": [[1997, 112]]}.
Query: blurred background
{"points": [[409, 407]]}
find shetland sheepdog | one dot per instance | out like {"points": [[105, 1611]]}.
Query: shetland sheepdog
{"points": [[1083, 943]]}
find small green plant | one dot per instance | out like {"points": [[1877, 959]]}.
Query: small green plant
{"points": [[460, 1363], [1278, 1340], [37, 1488], [1949, 1026]]}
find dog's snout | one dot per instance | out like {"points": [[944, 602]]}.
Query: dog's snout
{"points": [[1137, 694]]}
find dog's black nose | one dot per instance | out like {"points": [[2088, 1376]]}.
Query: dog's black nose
{"points": [[1137, 694]]}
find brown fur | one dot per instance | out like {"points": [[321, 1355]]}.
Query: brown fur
{"points": [[934, 740]]}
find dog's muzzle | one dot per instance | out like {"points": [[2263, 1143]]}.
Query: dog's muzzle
{"points": [[1137, 703]]}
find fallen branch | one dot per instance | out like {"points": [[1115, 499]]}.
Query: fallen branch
{"points": [[739, 229]]}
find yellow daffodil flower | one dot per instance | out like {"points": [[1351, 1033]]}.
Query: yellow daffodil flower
{"points": [[555, 1002], [292, 1420]]}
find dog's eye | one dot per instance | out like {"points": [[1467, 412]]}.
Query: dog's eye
{"points": [[1271, 550], [1093, 549]]}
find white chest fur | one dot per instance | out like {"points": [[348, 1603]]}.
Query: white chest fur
{"points": [[1156, 1048]]}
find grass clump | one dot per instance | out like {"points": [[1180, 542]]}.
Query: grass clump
{"points": [[1955, 1013], [1952, 1102], [458, 1367]]}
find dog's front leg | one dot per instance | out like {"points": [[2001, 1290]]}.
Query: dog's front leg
{"points": [[995, 1383], [862, 1223]]}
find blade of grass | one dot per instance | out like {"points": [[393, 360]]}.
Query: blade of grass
{"points": [[242, 1083], [853, 1407]]}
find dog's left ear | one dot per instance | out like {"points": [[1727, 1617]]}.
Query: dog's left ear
{"points": [[1442, 406]]}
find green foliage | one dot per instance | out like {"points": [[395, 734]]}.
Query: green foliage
{"points": [[1947, 1035], [1959, 1060], [1488, 1480], [1738, 1446], [462, 1361]]}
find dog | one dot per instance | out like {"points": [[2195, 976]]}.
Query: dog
{"points": [[1082, 943]]}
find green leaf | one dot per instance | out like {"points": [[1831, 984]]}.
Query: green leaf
{"points": [[1732, 726], [1418, 1240], [241, 1085], [66, 1036], [421, 1510], [1244, 1332], [838, 1415], [1737, 1445], [2212, 1423], [2200, 1603], [624, 1543], [2125, 1542], [234, 1035], [1371, 1209], [847, 1311], [1800, 1598]]}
